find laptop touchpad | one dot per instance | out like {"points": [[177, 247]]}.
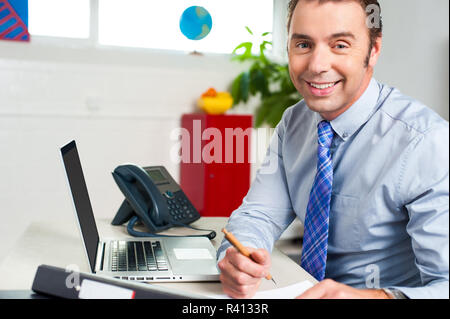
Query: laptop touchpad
{"points": [[191, 256]]}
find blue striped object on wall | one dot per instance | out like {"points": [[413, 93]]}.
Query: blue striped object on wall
{"points": [[14, 20]]}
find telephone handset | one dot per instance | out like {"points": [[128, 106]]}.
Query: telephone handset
{"points": [[153, 197]]}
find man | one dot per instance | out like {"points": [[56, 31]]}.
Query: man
{"points": [[364, 167]]}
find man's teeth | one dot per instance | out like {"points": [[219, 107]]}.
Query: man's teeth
{"points": [[322, 86]]}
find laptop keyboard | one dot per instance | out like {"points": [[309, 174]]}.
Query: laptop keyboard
{"points": [[138, 256]]}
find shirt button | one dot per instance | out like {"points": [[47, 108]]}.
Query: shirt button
{"points": [[345, 134]]}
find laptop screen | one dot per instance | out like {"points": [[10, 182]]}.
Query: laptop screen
{"points": [[81, 200]]}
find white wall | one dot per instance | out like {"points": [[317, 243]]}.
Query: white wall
{"points": [[121, 105], [415, 55]]}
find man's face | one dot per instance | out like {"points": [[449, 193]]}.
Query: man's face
{"points": [[328, 46]]}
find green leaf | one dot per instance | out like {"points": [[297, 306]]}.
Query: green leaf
{"points": [[262, 49], [265, 33], [276, 112], [249, 31], [236, 89], [259, 83], [251, 87], [264, 109], [272, 109], [247, 53], [244, 86], [261, 113], [265, 43]]}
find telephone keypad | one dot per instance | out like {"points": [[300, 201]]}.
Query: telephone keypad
{"points": [[180, 208]]}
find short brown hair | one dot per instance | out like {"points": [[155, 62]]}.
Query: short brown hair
{"points": [[374, 32]]}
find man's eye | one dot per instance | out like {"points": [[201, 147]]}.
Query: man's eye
{"points": [[341, 46], [303, 45]]}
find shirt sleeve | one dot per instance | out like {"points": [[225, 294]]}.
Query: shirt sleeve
{"points": [[266, 210], [425, 185]]}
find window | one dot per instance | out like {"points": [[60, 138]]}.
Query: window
{"points": [[155, 24], [59, 18], [150, 23]]}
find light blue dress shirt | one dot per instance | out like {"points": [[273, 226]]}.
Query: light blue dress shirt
{"points": [[389, 211]]}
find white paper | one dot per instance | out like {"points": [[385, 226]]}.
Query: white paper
{"points": [[289, 292], [97, 290], [192, 253]]}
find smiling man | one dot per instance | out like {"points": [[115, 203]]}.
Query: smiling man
{"points": [[364, 167]]}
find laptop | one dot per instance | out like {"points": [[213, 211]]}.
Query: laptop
{"points": [[154, 259]]}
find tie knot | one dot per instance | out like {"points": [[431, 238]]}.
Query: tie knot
{"points": [[325, 134]]}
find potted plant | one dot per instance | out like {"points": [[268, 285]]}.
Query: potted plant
{"points": [[268, 79]]}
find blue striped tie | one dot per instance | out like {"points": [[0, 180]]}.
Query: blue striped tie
{"points": [[315, 237]]}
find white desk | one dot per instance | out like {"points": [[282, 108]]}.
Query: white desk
{"points": [[58, 243]]}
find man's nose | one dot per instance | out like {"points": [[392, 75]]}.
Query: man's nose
{"points": [[320, 60]]}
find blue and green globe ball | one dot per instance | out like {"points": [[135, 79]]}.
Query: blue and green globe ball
{"points": [[195, 23]]}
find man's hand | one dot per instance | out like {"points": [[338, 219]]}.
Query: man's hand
{"points": [[241, 276], [330, 289]]}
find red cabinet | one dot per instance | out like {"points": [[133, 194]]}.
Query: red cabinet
{"points": [[215, 166]]}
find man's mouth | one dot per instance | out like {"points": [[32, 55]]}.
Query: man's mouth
{"points": [[322, 88]]}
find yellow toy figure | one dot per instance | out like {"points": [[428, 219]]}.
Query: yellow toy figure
{"points": [[213, 102]]}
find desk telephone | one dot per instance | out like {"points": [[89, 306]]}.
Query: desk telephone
{"points": [[153, 197]]}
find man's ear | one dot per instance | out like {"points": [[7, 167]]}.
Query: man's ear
{"points": [[375, 52]]}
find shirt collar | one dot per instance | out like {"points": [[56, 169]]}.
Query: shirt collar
{"points": [[357, 114]]}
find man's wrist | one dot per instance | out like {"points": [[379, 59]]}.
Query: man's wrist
{"points": [[375, 294], [378, 294], [386, 294]]}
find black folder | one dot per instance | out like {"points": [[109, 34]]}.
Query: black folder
{"points": [[59, 282]]}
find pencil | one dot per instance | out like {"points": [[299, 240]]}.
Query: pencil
{"points": [[236, 243]]}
